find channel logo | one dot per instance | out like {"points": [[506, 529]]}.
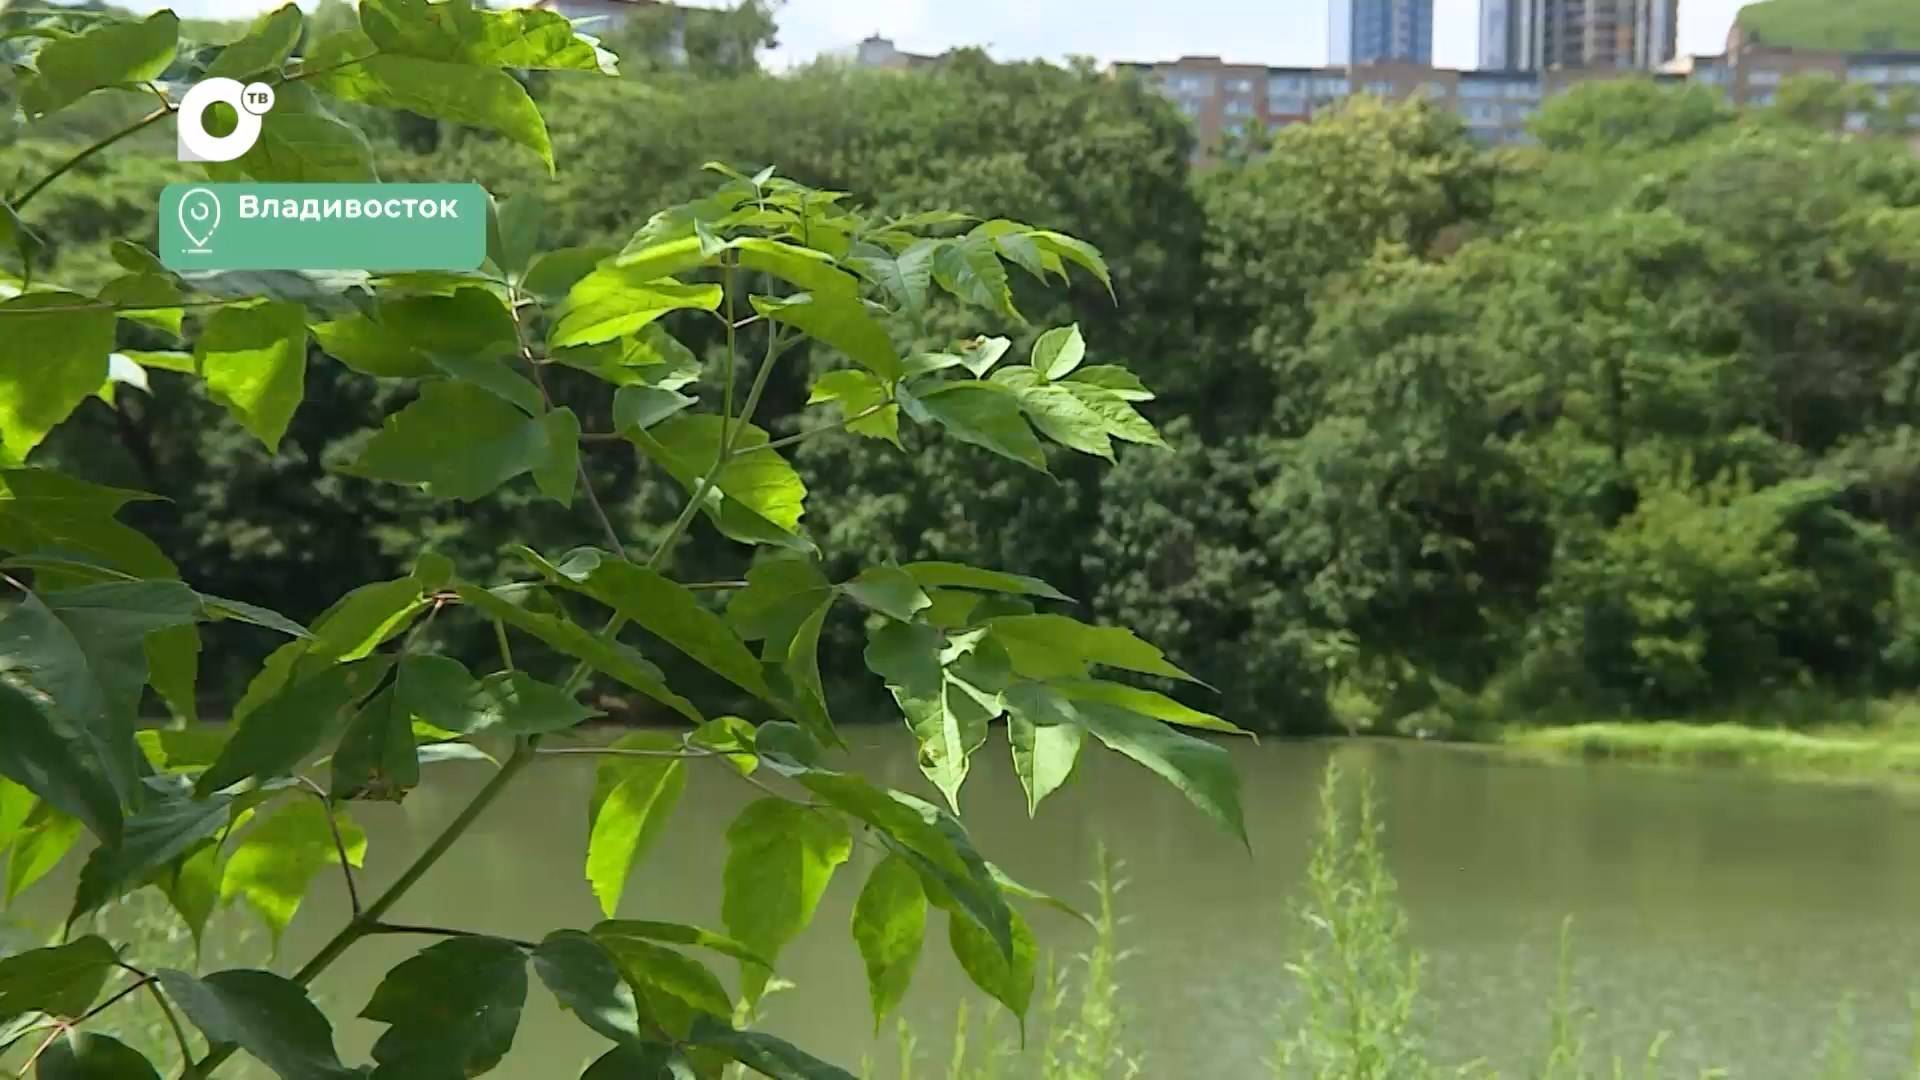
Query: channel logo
{"points": [[250, 102]]}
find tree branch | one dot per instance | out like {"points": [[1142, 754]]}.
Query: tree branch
{"points": [[580, 465], [64, 167]]}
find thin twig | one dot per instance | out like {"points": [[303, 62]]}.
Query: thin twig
{"points": [[579, 465], [506, 650], [443, 931], [64, 167], [126, 308], [179, 1033], [339, 842], [316, 72], [619, 751], [843, 422]]}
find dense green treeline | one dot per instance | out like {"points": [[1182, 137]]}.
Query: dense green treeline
{"points": [[1620, 424]]}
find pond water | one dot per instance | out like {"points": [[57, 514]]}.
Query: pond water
{"points": [[1735, 912]]}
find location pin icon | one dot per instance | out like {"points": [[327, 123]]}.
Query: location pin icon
{"points": [[199, 216]]}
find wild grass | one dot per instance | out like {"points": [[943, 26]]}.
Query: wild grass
{"points": [[1833, 752]]}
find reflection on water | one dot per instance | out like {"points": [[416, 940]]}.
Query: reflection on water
{"points": [[1733, 911]]}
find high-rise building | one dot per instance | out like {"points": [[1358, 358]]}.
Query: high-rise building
{"points": [[1529, 35], [1368, 31]]}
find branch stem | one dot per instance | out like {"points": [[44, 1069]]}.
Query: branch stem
{"points": [[364, 923]]}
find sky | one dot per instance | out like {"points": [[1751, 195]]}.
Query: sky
{"points": [[1276, 32]]}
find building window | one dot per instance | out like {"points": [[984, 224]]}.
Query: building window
{"points": [[1293, 104], [1434, 90], [1763, 78], [1199, 85], [1191, 108], [1324, 86], [1286, 84], [1380, 87], [1870, 73], [1520, 91], [1239, 107], [1763, 98], [1239, 86], [1471, 88]]}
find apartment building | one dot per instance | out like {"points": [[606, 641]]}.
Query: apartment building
{"points": [[1540, 35], [1226, 101], [1370, 31]]}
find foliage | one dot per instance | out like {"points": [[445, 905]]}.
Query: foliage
{"points": [[1627, 114], [521, 377], [1840, 24]]}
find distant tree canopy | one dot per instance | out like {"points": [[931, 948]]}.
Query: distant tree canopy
{"points": [[1621, 422]]}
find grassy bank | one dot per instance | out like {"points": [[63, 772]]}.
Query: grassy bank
{"points": [[1866, 740]]}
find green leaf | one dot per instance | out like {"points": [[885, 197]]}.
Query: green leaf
{"points": [[1059, 413], [274, 864], [982, 354], [946, 716], [56, 764], [781, 594], [80, 1055], [907, 279], [651, 357], [955, 875], [276, 736], [192, 886], [756, 498], [60, 980], [674, 989], [1006, 978], [173, 669], [802, 667], [889, 922], [110, 54], [54, 360], [551, 273], [16, 803], [454, 1008], [158, 297], [1045, 740], [84, 649], [441, 691], [645, 406], [164, 831], [889, 590], [479, 97], [263, 1014], [970, 269], [652, 1061], [493, 375], [254, 360], [576, 641], [586, 979], [1054, 646], [780, 857], [633, 798], [183, 749], [15, 236], [42, 510], [765, 1054], [1119, 419], [516, 703], [371, 348], [615, 301], [843, 322], [459, 441], [377, 757], [1146, 703], [933, 575], [678, 934], [266, 45], [856, 392], [670, 612], [1078, 252], [304, 142], [39, 850], [649, 261], [732, 738], [457, 31], [555, 474], [1202, 771], [984, 414], [471, 321]]}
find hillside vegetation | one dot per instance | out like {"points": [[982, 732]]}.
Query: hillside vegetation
{"points": [[1835, 24]]}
